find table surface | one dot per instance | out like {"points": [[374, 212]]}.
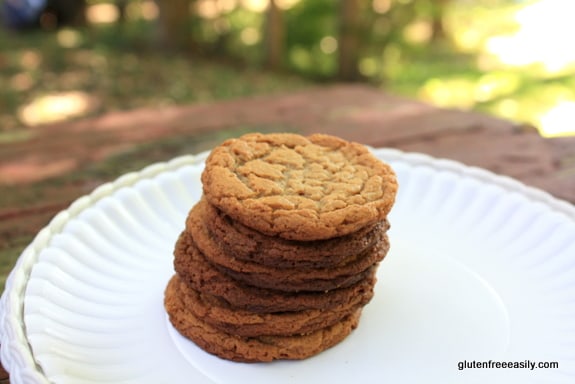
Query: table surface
{"points": [[354, 112]]}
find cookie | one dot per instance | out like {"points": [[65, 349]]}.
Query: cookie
{"points": [[192, 267], [253, 349], [247, 244], [221, 316], [286, 279], [299, 188]]}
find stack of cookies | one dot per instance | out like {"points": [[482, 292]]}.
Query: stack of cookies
{"points": [[279, 256]]}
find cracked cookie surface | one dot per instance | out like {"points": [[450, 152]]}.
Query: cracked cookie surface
{"points": [[299, 188]]}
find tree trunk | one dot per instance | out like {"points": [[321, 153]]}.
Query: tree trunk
{"points": [[274, 37], [349, 40], [121, 7], [60, 13], [174, 32], [438, 33]]}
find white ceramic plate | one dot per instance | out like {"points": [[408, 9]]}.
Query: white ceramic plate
{"points": [[481, 268]]}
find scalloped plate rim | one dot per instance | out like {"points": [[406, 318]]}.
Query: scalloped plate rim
{"points": [[16, 353]]}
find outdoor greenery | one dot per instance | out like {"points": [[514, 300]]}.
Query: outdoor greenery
{"points": [[438, 51], [110, 70], [503, 57]]}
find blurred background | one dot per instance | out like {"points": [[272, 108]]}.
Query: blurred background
{"points": [[65, 59]]}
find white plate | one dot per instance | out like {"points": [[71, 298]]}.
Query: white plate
{"points": [[481, 268]]}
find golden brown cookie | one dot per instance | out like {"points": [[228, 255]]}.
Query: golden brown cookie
{"points": [[247, 244], [253, 349], [192, 267], [221, 316], [284, 279], [299, 188]]}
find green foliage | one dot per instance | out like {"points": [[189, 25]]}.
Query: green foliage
{"points": [[399, 51], [121, 68], [309, 21], [306, 24]]}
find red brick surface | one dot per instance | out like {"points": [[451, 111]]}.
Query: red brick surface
{"points": [[354, 112]]}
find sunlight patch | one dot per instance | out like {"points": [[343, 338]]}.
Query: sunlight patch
{"points": [[418, 32], [250, 36], [255, 5], [207, 9], [30, 59], [57, 107], [68, 38], [328, 45], [102, 13], [559, 120], [143, 9], [286, 4], [544, 26]]}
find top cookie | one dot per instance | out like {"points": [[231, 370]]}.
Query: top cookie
{"points": [[299, 188]]}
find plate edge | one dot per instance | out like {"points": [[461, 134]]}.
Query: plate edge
{"points": [[16, 353]]}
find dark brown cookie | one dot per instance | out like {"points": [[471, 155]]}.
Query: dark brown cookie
{"points": [[299, 188], [202, 276], [252, 349], [221, 316], [285, 279], [247, 244]]}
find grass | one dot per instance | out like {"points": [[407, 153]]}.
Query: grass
{"points": [[116, 70], [123, 68]]}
